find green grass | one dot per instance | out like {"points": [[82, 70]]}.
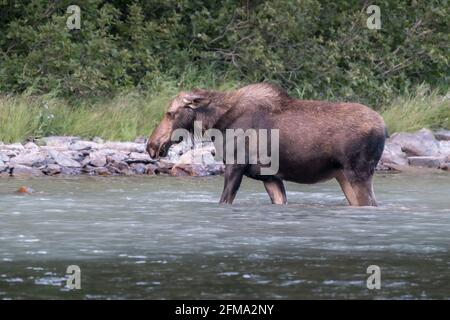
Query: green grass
{"points": [[121, 118], [422, 109], [128, 115]]}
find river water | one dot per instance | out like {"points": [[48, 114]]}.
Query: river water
{"points": [[160, 237]]}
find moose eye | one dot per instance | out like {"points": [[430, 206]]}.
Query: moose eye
{"points": [[170, 114]]}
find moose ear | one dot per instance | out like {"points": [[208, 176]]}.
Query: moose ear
{"points": [[194, 100]]}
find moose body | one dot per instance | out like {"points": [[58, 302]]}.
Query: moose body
{"points": [[318, 140]]}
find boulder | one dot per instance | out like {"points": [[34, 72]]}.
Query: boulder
{"points": [[442, 135], [125, 146], [15, 147], [4, 157], [25, 171], [70, 171], [117, 157], [444, 148], [98, 140], [138, 168], [63, 160], [426, 162], [84, 145], [30, 159], [163, 166], [182, 170], [176, 150], [140, 140], [195, 170], [31, 146], [101, 171], [420, 143], [119, 167], [199, 156], [98, 158], [136, 157], [393, 155], [52, 169], [150, 169], [60, 142]]}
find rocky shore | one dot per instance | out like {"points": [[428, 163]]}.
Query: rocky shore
{"points": [[53, 156]]}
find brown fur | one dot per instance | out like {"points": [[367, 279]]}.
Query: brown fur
{"points": [[319, 140]]}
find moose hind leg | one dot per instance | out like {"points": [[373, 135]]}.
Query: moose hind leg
{"points": [[357, 189], [275, 188], [364, 192], [347, 188]]}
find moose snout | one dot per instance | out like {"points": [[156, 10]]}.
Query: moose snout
{"points": [[152, 149]]}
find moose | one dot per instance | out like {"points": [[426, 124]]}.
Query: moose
{"points": [[318, 140]]}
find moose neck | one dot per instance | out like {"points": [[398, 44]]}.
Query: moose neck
{"points": [[219, 105]]}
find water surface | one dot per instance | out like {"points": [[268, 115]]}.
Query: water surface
{"points": [[160, 237]]}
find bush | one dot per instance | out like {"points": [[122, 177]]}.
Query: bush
{"points": [[314, 48]]}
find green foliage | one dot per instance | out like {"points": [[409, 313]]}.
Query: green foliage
{"points": [[314, 48]]}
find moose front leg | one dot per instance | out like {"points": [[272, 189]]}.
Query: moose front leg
{"points": [[233, 178]]}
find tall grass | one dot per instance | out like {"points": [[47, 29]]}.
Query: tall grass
{"points": [[421, 109], [128, 115], [123, 117]]}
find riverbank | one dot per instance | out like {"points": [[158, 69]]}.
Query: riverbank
{"points": [[125, 116], [67, 155]]}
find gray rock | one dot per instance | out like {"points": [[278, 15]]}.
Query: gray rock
{"points": [[4, 157], [52, 169], [98, 140], [136, 157], [101, 171], [125, 146], [140, 140], [84, 145], [442, 135], [176, 150], [31, 146], [63, 160], [30, 159], [78, 156], [151, 169], [393, 154], [70, 171], [117, 157], [12, 147], [98, 158], [195, 170], [60, 142], [420, 143], [444, 148], [163, 166], [198, 156], [138, 168], [426, 162], [25, 171], [119, 167]]}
